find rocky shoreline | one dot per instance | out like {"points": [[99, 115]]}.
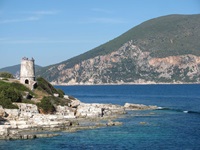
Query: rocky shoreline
{"points": [[27, 123], [125, 83]]}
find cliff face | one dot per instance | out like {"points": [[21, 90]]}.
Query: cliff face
{"points": [[163, 49], [129, 65]]}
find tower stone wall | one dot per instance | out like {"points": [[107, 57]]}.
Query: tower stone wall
{"points": [[27, 72]]}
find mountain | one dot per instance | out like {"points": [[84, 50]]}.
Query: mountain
{"points": [[163, 49], [15, 70]]}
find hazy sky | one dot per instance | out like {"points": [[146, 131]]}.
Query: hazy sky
{"points": [[52, 31]]}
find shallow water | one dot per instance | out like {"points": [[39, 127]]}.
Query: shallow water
{"points": [[176, 127]]}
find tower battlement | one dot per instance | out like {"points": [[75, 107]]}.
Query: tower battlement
{"points": [[27, 72]]}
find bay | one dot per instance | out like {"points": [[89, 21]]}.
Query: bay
{"points": [[176, 126]]}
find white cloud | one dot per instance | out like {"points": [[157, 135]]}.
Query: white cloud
{"points": [[36, 15], [19, 20]]}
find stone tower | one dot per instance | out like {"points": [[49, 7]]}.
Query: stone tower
{"points": [[27, 72]]}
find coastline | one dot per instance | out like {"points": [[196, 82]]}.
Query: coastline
{"points": [[27, 123], [152, 83], [48, 132]]}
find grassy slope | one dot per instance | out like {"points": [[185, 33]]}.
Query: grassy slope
{"points": [[163, 36]]}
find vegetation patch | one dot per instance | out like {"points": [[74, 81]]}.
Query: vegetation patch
{"points": [[45, 106], [46, 87], [6, 75], [9, 94]]}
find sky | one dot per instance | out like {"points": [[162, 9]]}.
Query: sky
{"points": [[52, 31]]}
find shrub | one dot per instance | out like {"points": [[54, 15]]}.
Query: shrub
{"points": [[21, 87], [45, 86], [59, 101], [61, 93], [6, 75], [46, 105], [48, 88], [6, 103], [11, 93]]}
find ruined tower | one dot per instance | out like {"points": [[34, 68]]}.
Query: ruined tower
{"points": [[27, 72]]}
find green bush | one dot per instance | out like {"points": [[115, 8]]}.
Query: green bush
{"points": [[59, 101], [48, 88], [21, 87], [11, 93], [6, 75], [46, 105], [7, 103], [61, 93], [45, 86]]}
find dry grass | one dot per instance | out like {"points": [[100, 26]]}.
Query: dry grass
{"points": [[40, 94]]}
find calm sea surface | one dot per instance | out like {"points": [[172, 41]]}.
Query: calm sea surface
{"points": [[177, 126]]}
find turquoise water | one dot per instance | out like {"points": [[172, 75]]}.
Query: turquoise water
{"points": [[175, 127]]}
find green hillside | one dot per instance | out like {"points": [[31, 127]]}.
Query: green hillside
{"points": [[155, 36], [163, 36]]}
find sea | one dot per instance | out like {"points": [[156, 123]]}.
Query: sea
{"points": [[175, 126]]}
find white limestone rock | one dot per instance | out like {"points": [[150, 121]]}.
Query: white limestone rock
{"points": [[112, 123], [12, 113], [27, 108], [2, 112], [75, 103], [98, 110], [110, 109], [129, 106], [65, 111], [88, 110]]}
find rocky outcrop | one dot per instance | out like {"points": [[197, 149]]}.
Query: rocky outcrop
{"points": [[2, 112], [75, 103], [129, 64], [27, 109], [12, 113], [129, 106], [65, 111], [98, 110], [112, 123], [27, 117]]}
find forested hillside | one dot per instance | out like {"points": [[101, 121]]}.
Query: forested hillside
{"points": [[174, 39]]}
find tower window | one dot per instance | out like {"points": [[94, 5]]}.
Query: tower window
{"points": [[26, 81]]}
